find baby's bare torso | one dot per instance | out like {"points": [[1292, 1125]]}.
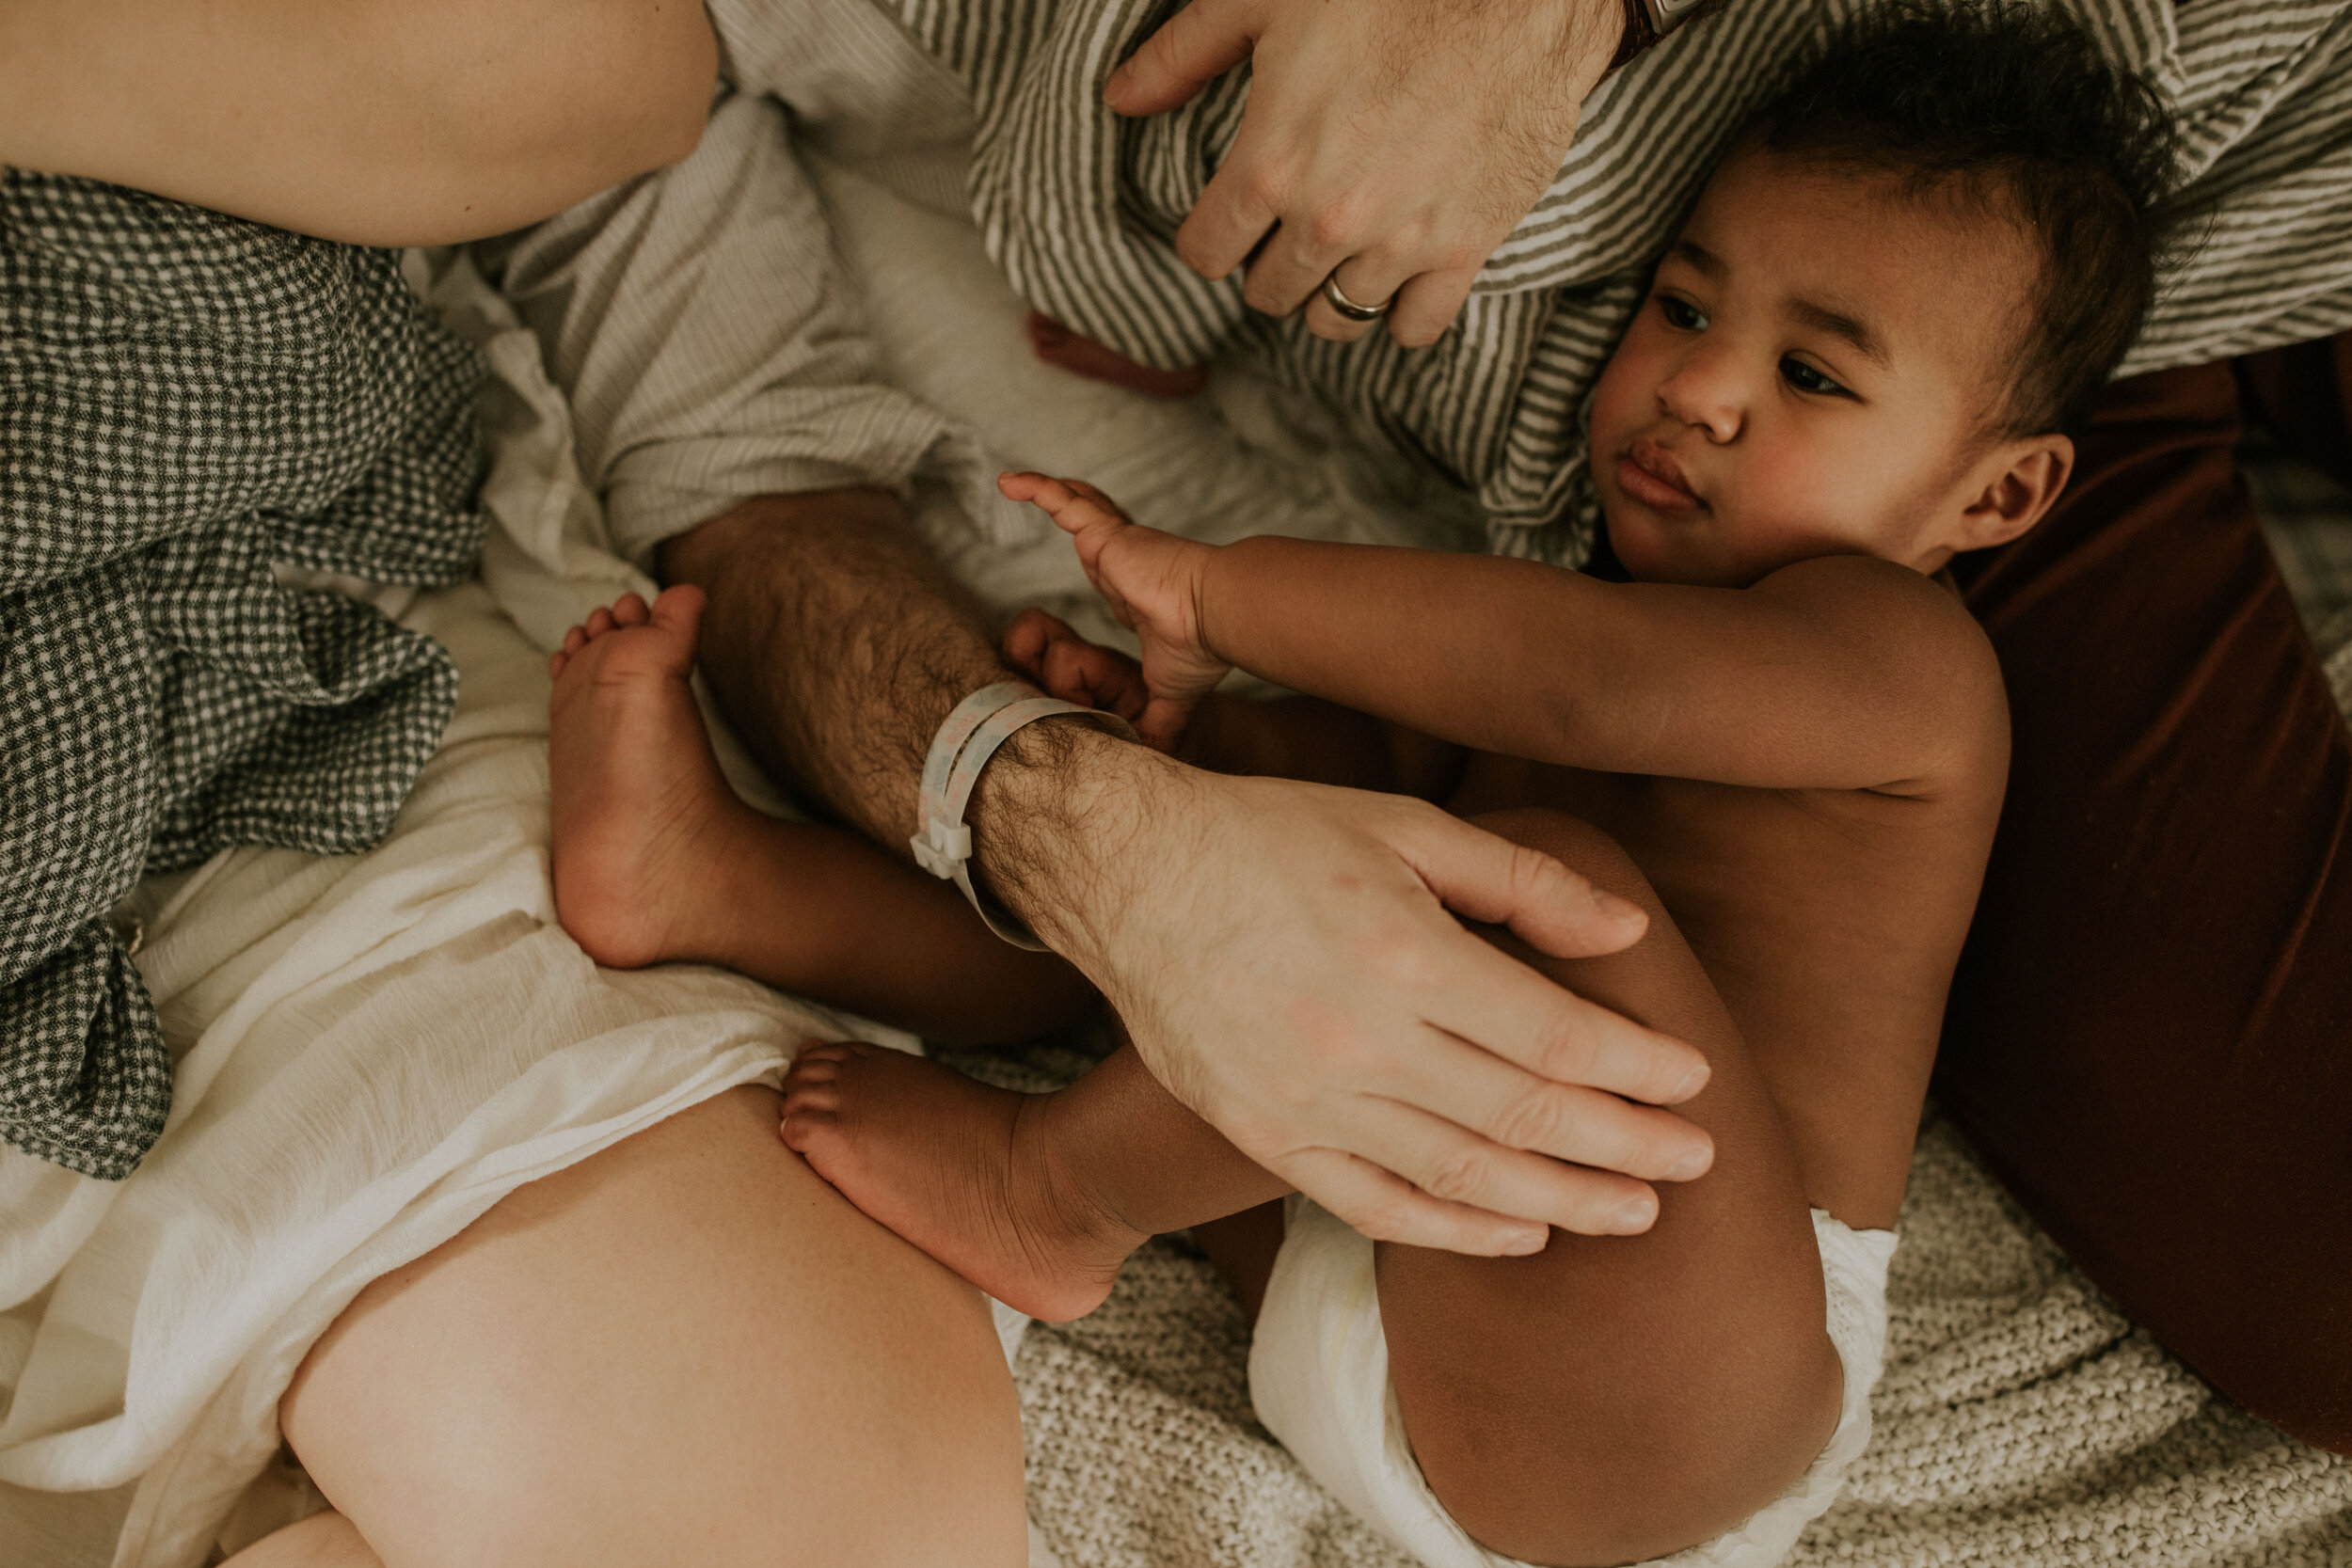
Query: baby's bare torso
{"points": [[1830, 921]]}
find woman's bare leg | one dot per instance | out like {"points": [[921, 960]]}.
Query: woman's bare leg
{"points": [[687, 1348], [323, 1541]]}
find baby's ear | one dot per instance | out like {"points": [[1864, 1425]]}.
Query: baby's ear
{"points": [[2022, 477]]}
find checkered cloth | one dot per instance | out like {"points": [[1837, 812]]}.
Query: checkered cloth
{"points": [[186, 400]]}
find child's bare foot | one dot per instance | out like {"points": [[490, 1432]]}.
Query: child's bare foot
{"points": [[958, 1168], [644, 821], [1057, 345]]}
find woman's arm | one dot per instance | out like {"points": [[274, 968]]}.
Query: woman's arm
{"points": [[389, 123]]}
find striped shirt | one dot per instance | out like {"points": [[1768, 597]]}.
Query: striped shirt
{"points": [[1079, 205]]}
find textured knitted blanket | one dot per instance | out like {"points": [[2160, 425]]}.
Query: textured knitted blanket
{"points": [[187, 402], [2023, 1422]]}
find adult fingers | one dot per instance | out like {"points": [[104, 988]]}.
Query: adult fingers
{"points": [[1200, 43], [1375, 278], [1486, 878], [1426, 304], [1233, 213], [1453, 1166], [1516, 1109], [1389, 1208], [1292, 265], [1514, 1012]]}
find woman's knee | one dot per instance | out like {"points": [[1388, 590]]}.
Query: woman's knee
{"points": [[687, 1340]]}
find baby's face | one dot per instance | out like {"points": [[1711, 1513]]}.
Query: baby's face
{"points": [[1812, 375]]}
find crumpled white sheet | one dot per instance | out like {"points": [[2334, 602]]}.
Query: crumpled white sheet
{"points": [[374, 1049]]}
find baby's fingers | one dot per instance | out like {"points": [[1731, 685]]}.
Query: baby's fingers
{"points": [[1032, 632], [1072, 504], [1164, 721]]}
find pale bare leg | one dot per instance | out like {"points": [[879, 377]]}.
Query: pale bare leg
{"points": [[657, 860], [323, 1541], [685, 1348]]}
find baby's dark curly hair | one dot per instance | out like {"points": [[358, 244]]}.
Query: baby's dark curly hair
{"points": [[2015, 106]]}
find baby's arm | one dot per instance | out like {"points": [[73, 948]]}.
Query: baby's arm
{"points": [[1286, 737], [1835, 673]]}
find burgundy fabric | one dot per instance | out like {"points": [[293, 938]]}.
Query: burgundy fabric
{"points": [[2150, 1035]]}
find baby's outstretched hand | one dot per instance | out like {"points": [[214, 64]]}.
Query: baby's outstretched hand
{"points": [[1152, 582]]}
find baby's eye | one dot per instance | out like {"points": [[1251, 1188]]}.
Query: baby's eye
{"points": [[1682, 314], [1804, 378]]}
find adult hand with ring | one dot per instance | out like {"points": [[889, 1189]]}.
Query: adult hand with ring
{"points": [[1353, 310], [1387, 146]]}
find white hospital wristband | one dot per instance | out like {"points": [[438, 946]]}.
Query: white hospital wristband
{"points": [[966, 744]]}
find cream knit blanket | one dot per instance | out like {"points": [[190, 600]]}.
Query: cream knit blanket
{"points": [[2023, 1421]]}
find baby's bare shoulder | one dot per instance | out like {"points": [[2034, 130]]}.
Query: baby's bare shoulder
{"points": [[1926, 658]]}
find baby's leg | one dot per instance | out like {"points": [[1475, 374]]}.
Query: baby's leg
{"points": [[656, 859], [1037, 1199], [1614, 1399]]}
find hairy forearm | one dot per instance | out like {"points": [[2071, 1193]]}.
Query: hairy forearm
{"points": [[836, 645], [372, 122]]}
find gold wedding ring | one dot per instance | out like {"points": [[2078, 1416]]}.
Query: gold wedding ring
{"points": [[1337, 298]]}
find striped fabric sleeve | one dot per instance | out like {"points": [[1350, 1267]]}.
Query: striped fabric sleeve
{"points": [[1078, 205]]}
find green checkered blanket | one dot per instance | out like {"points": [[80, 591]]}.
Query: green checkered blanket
{"points": [[187, 402]]}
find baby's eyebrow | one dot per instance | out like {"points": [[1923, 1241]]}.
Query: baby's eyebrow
{"points": [[1698, 256], [1839, 325]]}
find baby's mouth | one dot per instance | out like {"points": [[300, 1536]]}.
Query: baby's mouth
{"points": [[1649, 474]]}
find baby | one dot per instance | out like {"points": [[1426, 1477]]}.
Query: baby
{"points": [[1782, 737]]}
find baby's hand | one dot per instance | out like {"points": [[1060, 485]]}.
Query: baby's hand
{"points": [[1063, 665], [1153, 581]]}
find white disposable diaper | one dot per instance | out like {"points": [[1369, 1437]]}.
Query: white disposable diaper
{"points": [[1319, 1377]]}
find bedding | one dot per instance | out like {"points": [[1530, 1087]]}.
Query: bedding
{"points": [[263, 400], [2024, 1419]]}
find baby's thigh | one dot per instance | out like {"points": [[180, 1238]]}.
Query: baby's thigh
{"points": [[684, 1348], [1612, 1399]]}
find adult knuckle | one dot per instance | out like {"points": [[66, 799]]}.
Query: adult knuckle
{"points": [[1567, 1050], [1458, 1175], [1270, 184], [1337, 226], [1534, 1119], [1381, 1218], [1402, 959]]}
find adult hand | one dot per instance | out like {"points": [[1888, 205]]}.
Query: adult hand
{"points": [[1396, 141], [1284, 958]]}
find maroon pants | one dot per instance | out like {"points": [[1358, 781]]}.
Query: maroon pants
{"points": [[2150, 1035]]}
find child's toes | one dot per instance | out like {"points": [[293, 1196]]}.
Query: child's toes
{"points": [[629, 610], [599, 621]]}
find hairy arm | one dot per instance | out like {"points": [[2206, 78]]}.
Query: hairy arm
{"points": [[1358, 1041], [1837, 672], [389, 123]]}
